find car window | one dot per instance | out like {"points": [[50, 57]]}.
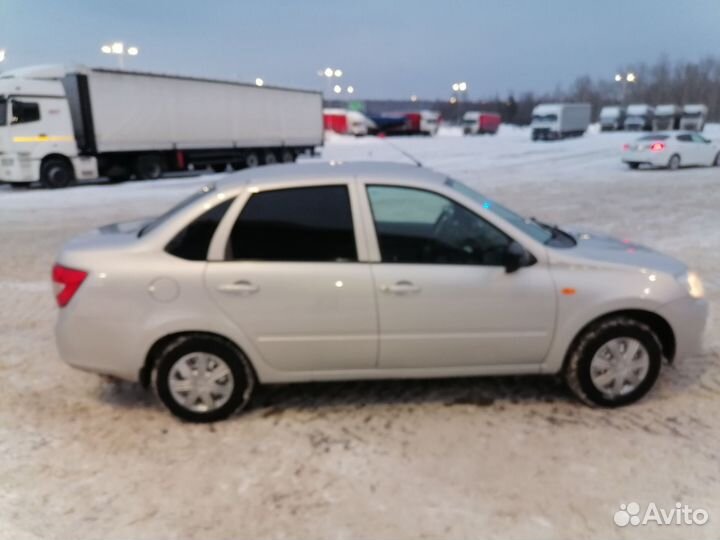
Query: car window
{"points": [[699, 138], [657, 137], [193, 242], [23, 112], [156, 222], [297, 224], [418, 226], [684, 138], [3, 111]]}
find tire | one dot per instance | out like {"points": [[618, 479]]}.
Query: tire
{"points": [[149, 167], [583, 371], [287, 156], [270, 158], [252, 160], [56, 173], [674, 162], [219, 167], [178, 358], [716, 163], [633, 165]]}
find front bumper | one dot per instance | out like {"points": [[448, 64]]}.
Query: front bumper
{"points": [[688, 318], [18, 168]]}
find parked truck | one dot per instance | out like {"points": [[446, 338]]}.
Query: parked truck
{"points": [[559, 120], [667, 117], [58, 125], [639, 117], [693, 117], [345, 122], [612, 118], [479, 123]]}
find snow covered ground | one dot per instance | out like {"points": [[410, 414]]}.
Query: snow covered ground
{"points": [[492, 458]]}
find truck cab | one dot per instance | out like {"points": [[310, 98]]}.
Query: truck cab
{"points": [[693, 117], [37, 141], [667, 117], [612, 118], [639, 117]]}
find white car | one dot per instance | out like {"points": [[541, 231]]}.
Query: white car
{"points": [[671, 150], [330, 271]]}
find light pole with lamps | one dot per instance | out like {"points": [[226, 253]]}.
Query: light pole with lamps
{"points": [[330, 74], [118, 48], [624, 80], [460, 89]]}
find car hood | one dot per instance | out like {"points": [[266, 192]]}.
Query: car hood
{"points": [[599, 248]]}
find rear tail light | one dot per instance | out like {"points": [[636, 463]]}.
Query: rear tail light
{"points": [[657, 147], [67, 281], [626, 147]]}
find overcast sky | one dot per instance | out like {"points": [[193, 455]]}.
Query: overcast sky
{"points": [[387, 48]]}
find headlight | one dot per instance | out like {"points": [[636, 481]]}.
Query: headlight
{"points": [[692, 282]]}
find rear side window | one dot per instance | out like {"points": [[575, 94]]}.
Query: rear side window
{"points": [[193, 242], [684, 138], [25, 111], [298, 224]]}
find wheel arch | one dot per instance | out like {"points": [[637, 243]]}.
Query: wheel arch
{"points": [[657, 324], [61, 157], [145, 374]]}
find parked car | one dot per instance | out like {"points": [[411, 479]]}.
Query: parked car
{"points": [[255, 279], [479, 123], [671, 150], [552, 121], [612, 118], [667, 117], [60, 124], [693, 117], [639, 117]]}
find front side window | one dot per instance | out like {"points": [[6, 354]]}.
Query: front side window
{"points": [[699, 139], [418, 226], [24, 112], [312, 224], [3, 111], [193, 242]]}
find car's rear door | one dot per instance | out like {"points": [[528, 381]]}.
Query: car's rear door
{"points": [[444, 297], [292, 283]]}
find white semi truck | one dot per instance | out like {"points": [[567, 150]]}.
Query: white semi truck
{"points": [[693, 117], [612, 118], [639, 117], [58, 125], [559, 120]]}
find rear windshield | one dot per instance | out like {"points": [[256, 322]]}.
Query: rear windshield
{"points": [[3, 111], [154, 223], [653, 137]]}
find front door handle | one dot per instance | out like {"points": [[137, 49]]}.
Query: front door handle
{"points": [[401, 287], [239, 287]]}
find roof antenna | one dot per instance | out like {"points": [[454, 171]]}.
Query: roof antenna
{"points": [[404, 153]]}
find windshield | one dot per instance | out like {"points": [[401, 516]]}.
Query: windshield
{"points": [[3, 111], [529, 227], [692, 114], [154, 223], [545, 118]]}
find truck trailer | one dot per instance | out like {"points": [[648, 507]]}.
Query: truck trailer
{"points": [[479, 123], [61, 124], [552, 121]]}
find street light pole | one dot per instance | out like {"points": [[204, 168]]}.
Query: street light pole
{"points": [[118, 48]]}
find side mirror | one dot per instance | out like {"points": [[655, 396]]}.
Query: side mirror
{"points": [[516, 257]]}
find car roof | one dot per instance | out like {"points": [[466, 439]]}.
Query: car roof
{"points": [[347, 171]]}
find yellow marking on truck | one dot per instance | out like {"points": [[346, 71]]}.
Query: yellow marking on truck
{"points": [[45, 138]]}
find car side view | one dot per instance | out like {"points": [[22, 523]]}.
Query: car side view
{"points": [[339, 271], [672, 150]]}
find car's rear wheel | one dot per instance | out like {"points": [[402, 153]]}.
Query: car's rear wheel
{"points": [[203, 378], [674, 162], [716, 163], [615, 362]]}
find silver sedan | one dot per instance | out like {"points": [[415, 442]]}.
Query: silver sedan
{"points": [[334, 271]]}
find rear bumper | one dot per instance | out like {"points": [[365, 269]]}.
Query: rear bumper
{"points": [[688, 318], [656, 159]]}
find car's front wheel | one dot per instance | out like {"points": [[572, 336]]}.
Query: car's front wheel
{"points": [[203, 378], [614, 362]]}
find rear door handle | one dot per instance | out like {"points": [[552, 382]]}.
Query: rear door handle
{"points": [[238, 287], [401, 287]]}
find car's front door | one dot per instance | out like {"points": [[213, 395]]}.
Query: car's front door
{"points": [[705, 150], [444, 296], [689, 151], [292, 282]]}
